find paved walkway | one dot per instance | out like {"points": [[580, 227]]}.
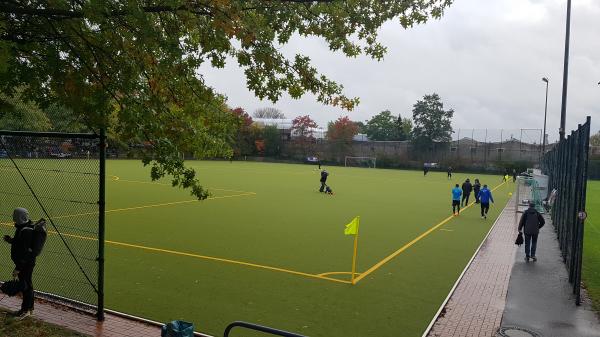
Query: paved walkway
{"points": [[476, 306], [540, 298], [113, 326]]}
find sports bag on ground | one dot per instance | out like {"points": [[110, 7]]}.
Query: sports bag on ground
{"points": [[177, 329]]}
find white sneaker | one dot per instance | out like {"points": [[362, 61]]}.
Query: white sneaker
{"points": [[24, 315]]}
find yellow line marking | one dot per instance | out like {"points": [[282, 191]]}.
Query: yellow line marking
{"points": [[154, 205], [204, 257], [408, 245], [339, 273]]}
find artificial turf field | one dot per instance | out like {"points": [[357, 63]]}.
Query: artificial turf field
{"points": [[268, 248], [591, 244]]}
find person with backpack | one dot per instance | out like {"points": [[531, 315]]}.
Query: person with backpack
{"points": [[26, 245], [530, 224]]}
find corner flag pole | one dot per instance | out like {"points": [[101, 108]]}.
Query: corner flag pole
{"points": [[355, 255]]}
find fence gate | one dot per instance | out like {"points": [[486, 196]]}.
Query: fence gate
{"points": [[567, 167], [59, 177]]}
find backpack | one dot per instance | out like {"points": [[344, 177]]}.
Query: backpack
{"points": [[38, 238]]}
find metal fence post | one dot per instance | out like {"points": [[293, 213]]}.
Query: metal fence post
{"points": [[101, 221]]}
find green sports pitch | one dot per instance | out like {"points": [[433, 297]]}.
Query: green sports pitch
{"points": [[268, 248]]}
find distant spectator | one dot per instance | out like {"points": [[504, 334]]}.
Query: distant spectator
{"points": [[467, 188], [456, 193], [485, 196], [476, 189], [530, 224], [514, 175], [425, 168], [24, 259], [449, 172], [324, 175]]}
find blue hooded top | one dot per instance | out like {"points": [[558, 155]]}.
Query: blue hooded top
{"points": [[485, 195], [456, 193]]}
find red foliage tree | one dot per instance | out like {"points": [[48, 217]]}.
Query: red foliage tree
{"points": [[343, 130], [302, 127], [302, 130], [245, 119]]}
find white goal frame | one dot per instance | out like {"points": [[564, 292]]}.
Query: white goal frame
{"points": [[373, 159]]}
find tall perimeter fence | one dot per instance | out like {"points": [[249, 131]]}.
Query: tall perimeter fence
{"points": [[567, 168], [59, 177]]}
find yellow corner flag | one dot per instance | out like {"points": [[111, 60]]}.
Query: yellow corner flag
{"points": [[352, 227]]}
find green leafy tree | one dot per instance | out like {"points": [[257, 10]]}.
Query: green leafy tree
{"points": [[385, 126], [404, 126], [20, 114], [272, 138], [595, 139], [64, 120], [143, 58], [431, 122], [361, 127]]}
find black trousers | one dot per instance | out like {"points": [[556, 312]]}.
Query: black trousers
{"points": [[485, 207], [465, 197], [25, 275], [322, 186], [455, 206]]}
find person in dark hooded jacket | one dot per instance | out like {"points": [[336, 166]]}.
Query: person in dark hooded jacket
{"points": [[530, 224], [23, 257], [467, 188]]}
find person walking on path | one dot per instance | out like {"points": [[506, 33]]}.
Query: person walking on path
{"points": [[456, 193], [476, 189], [514, 175], [485, 196], [23, 257], [324, 175], [449, 172], [530, 224], [467, 188]]}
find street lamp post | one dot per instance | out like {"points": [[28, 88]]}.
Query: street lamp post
{"points": [[563, 108], [545, 113]]}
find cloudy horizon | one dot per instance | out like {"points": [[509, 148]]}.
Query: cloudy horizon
{"points": [[485, 59]]}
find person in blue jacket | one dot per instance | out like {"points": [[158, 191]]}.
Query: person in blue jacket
{"points": [[456, 194], [485, 196]]}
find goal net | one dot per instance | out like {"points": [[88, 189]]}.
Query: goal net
{"points": [[360, 162]]}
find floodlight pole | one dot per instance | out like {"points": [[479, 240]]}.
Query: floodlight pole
{"points": [[563, 108], [545, 113]]}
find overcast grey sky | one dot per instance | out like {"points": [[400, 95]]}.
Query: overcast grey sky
{"points": [[485, 59]]}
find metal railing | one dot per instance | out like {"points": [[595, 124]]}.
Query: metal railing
{"points": [[256, 327]]}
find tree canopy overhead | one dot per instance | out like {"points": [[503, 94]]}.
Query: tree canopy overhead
{"points": [[140, 60]]}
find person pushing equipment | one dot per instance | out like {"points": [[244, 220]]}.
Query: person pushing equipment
{"points": [[324, 175]]}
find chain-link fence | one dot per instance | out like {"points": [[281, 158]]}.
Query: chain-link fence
{"points": [[567, 167], [59, 177]]}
